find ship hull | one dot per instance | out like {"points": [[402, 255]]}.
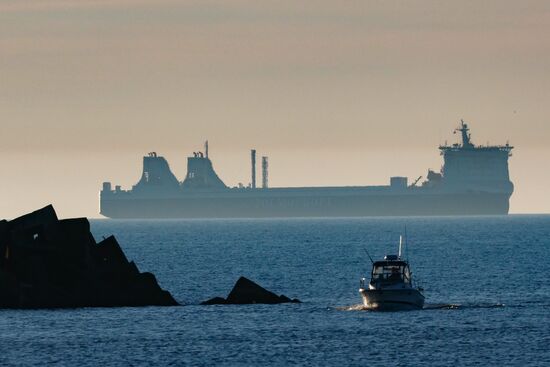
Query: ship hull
{"points": [[258, 204], [392, 299]]}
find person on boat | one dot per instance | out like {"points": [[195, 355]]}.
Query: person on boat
{"points": [[395, 276]]}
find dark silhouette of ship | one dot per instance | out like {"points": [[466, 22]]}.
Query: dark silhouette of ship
{"points": [[474, 180]]}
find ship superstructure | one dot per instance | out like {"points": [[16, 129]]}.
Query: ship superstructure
{"points": [[474, 180], [478, 168]]}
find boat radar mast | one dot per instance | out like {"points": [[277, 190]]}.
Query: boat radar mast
{"points": [[400, 246], [466, 137]]}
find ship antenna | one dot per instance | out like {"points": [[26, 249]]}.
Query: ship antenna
{"points": [[370, 258], [406, 243], [206, 148]]}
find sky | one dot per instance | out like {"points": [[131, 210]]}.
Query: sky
{"points": [[335, 93]]}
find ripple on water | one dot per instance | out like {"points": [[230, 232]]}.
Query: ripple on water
{"points": [[490, 269]]}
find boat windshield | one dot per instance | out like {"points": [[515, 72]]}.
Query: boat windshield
{"points": [[391, 273]]}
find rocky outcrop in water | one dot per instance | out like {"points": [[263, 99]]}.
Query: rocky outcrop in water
{"points": [[50, 263], [246, 291]]}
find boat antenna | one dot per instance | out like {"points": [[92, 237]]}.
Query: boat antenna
{"points": [[400, 244], [370, 258], [406, 243]]}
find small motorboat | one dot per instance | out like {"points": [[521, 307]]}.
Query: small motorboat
{"points": [[391, 287]]}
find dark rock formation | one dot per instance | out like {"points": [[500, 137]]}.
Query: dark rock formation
{"points": [[215, 301], [50, 263], [246, 291]]}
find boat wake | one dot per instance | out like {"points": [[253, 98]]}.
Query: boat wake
{"points": [[358, 307], [435, 306], [458, 306]]}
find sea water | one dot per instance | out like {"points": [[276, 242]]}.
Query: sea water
{"points": [[486, 281]]}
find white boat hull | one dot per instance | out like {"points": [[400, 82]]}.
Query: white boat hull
{"points": [[392, 299]]}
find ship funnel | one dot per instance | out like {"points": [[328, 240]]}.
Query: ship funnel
{"points": [[264, 173], [253, 163]]}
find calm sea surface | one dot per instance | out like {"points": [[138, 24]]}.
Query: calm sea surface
{"points": [[486, 280]]}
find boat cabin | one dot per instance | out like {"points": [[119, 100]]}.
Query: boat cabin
{"points": [[391, 270]]}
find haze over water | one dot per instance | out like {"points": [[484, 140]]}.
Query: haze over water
{"points": [[334, 94]]}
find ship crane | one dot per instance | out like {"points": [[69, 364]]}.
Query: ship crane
{"points": [[416, 181]]}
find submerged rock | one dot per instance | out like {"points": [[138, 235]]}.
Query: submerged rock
{"points": [[50, 263], [246, 291]]}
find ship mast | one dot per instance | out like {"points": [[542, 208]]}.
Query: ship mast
{"points": [[466, 137]]}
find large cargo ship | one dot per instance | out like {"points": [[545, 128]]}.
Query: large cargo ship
{"points": [[474, 180]]}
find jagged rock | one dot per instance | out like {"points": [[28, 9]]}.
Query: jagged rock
{"points": [[215, 301], [246, 291], [49, 263]]}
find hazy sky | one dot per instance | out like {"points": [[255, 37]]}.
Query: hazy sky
{"points": [[334, 92]]}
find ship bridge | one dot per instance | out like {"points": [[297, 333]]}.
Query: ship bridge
{"points": [[476, 168]]}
